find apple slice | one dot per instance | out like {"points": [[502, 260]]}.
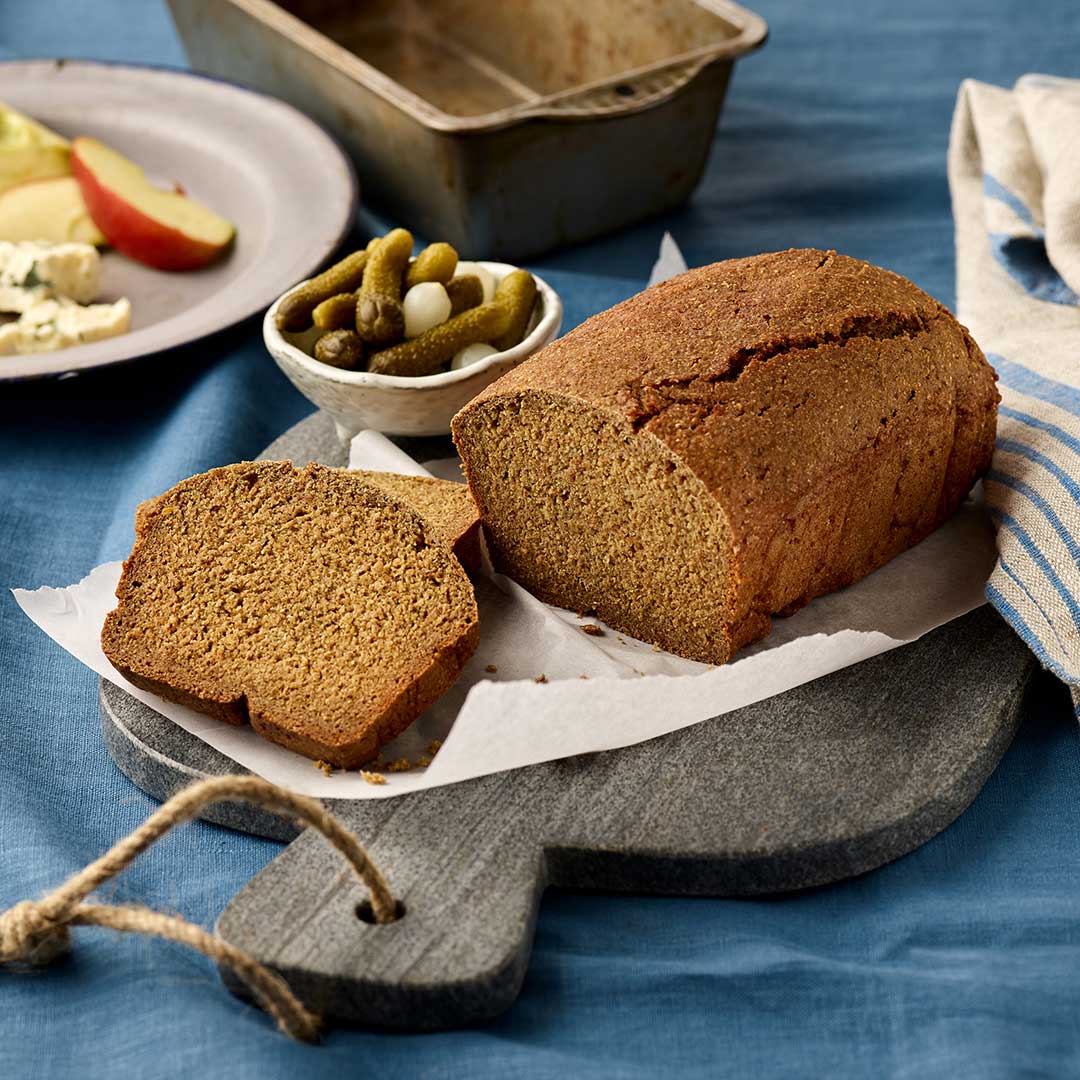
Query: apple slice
{"points": [[51, 210], [163, 229], [28, 151]]}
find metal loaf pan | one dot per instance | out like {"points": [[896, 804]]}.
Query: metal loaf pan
{"points": [[507, 129]]}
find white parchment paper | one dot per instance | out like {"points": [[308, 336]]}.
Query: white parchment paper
{"points": [[491, 721]]}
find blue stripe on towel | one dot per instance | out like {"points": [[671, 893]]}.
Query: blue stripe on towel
{"points": [[1047, 510], [1015, 620], [1034, 603], [995, 189], [1039, 559], [1067, 482], [1034, 385], [1058, 433], [1025, 260]]}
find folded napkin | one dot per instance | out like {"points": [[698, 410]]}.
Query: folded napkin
{"points": [[1014, 170]]}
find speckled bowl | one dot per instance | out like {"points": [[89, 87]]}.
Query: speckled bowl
{"points": [[394, 404]]}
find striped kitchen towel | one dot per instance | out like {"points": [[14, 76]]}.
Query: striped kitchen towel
{"points": [[1014, 170]]}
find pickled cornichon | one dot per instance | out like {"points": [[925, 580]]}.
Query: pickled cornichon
{"points": [[434, 348], [437, 262], [340, 349], [336, 313], [517, 293], [379, 318], [295, 311], [358, 308], [465, 292]]}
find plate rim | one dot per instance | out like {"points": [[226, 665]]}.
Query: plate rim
{"points": [[242, 312]]}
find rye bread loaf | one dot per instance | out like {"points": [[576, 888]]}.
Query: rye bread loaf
{"points": [[446, 507], [306, 602], [728, 445]]}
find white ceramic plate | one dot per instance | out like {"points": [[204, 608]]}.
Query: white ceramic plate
{"points": [[277, 175]]}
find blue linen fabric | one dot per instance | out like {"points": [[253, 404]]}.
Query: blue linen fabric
{"points": [[1014, 173], [961, 960]]}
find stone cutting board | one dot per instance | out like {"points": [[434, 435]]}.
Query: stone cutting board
{"points": [[827, 781]]}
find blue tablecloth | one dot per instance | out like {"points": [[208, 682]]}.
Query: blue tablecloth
{"points": [[961, 960]]}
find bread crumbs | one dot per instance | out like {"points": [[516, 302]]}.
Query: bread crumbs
{"points": [[541, 678], [372, 777], [491, 669], [423, 761], [325, 767], [592, 630], [434, 746], [403, 764]]}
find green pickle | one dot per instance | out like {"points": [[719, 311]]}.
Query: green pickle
{"points": [[336, 313], [517, 293], [357, 304], [506, 316], [340, 349], [465, 292], [435, 348], [379, 318], [295, 311], [437, 262]]}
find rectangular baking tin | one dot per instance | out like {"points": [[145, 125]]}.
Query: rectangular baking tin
{"points": [[506, 129]]}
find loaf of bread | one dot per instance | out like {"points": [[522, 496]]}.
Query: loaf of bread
{"points": [[307, 602], [728, 445]]}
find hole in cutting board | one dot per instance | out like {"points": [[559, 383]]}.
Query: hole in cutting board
{"points": [[366, 913]]}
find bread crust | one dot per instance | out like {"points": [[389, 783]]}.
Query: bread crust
{"points": [[835, 413]]}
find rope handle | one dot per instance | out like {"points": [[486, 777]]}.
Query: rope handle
{"points": [[36, 932]]}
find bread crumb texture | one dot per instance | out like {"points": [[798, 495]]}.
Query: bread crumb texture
{"points": [[445, 506], [307, 602], [728, 445]]}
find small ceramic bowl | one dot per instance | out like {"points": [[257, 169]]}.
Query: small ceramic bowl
{"points": [[394, 404]]}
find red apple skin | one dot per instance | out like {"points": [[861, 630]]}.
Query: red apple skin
{"points": [[130, 230]]}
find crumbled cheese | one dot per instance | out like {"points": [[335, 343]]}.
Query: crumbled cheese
{"points": [[59, 323], [30, 273], [49, 287]]}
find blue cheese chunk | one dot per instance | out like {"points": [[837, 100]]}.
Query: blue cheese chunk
{"points": [[31, 273], [58, 324]]}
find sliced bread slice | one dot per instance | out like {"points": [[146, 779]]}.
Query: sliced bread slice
{"points": [[446, 507], [306, 602]]}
